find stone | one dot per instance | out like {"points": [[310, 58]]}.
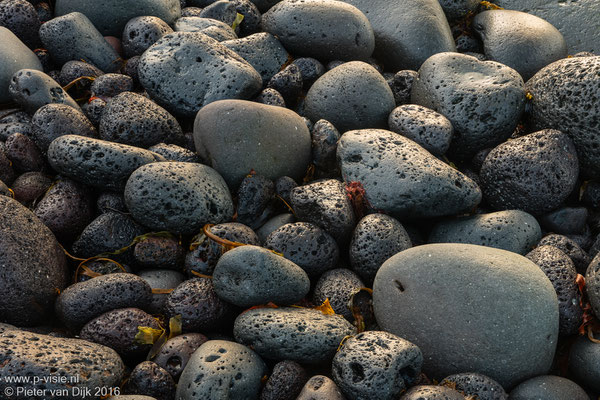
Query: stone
{"points": [[425, 392], [22, 19], [200, 72], [162, 279], [14, 56], [401, 84], [407, 32], [421, 290], [142, 32], [34, 266], [297, 334], [270, 97], [253, 197], [511, 230], [320, 387], [176, 352], [32, 89], [173, 152], [520, 40], [324, 144], [55, 120], [75, 69], [110, 85], [285, 382], [147, 378], [24, 154], [483, 100], [403, 179], [236, 136], [474, 384], [288, 82], [177, 197], [261, 50], [548, 387], [456, 9], [252, 17], [273, 224], [212, 28], [338, 286], [568, 246], [592, 281], [565, 220], [584, 362], [222, 369], [534, 173], [223, 10], [159, 252], [351, 96]]}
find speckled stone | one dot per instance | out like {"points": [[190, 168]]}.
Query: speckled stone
{"points": [[14, 55], [253, 198], [32, 89], [24, 154], [176, 352], [22, 19], [548, 387], [212, 28], [285, 381], [160, 279], [338, 286], [142, 32], [455, 9], [55, 120], [320, 387], [568, 246], [173, 152], [110, 85], [474, 384], [147, 378], [423, 392], [273, 224]]}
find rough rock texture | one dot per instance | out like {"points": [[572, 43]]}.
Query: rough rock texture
{"points": [[263, 51], [54, 120]]}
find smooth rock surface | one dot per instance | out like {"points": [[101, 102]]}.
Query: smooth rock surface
{"points": [[14, 55], [33, 89], [548, 387], [584, 362]]}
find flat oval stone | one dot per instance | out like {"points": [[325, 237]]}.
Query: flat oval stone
{"points": [[33, 265], [482, 99], [236, 136], [511, 230], [221, 369], [322, 29], [402, 178], [14, 55], [200, 72], [352, 96], [548, 387], [97, 162], [451, 299], [520, 40], [177, 197], [32, 89], [297, 334]]}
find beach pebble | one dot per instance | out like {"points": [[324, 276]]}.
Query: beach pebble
{"points": [[173, 152], [568, 246], [30, 186], [584, 362], [320, 387], [254, 195], [162, 279], [110, 85], [174, 355], [142, 32], [425, 392], [223, 10], [474, 384], [55, 120], [213, 28], [32, 89], [24, 153], [21, 18], [548, 387], [456, 9], [285, 382], [338, 286], [14, 56], [147, 378]]}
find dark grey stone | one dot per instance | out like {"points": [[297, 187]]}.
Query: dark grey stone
{"points": [[511, 230], [86, 366], [24, 154], [174, 355], [270, 97], [456, 9], [320, 387], [249, 275], [222, 10], [14, 56], [7, 173], [55, 120], [191, 11], [30, 186], [142, 32], [147, 378], [160, 279], [94, 109], [173, 152], [568, 246], [324, 144], [471, 291], [7, 129], [285, 382], [401, 84], [474, 384], [564, 94], [426, 392], [264, 5], [110, 85], [338, 285], [534, 173], [376, 364], [253, 196], [84, 301], [159, 252], [221, 369], [22, 19], [310, 68], [5, 191], [237, 136], [482, 99], [407, 32], [74, 37], [213, 28], [32, 89], [584, 362], [403, 179], [565, 220], [297, 334], [273, 224], [110, 201], [351, 96], [522, 41], [252, 17], [592, 284], [548, 387], [426, 127], [288, 82], [111, 16], [200, 72]]}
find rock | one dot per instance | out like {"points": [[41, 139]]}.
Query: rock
{"points": [[252, 17], [510, 291], [24, 154], [238, 136], [285, 382], [200, 72], [159, 252], [338, 286], [177, 197], [324, 144], [592, 281], [456, 9], [55, 120], [474, 384], [423, 392], [32, 89], [147, 378], [482, 99], [401, 178], [511, 230], [273, 224], [94, 109], [254, 196], [320, 387], [22, 19], [297, 334], [565, 220], [401, 85], [30, 186], [407, 32], [212, 28], [563, 94], [28, 293], [85, 366], [223, 10], [7, 173], [351, 96], [173, 152], [110, 85], [288, 82], [584, 362], [534, 173], [270, 97], [111, 16], [570, 248], [222, 369], [76, 69], [548, 387], [174, 355], [84, 301], [14, 56], [142, 32], [7, 129], [160, 279], [520, 40], [97, 162]]}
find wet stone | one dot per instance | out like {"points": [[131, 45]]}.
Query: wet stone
{"points": [[142, 32], [32, 89], [14, 56], [320, 387], [584, 362], [338, 285], [30, 186], [474, 384], [285, 381], [110, 201], [174, 355], [55, 120]]}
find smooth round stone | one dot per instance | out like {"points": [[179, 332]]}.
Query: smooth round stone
{"points": [[285, 382], [177, 197], [403, 179], [97, 162], [320, 387], [406, 32], [133, 119], [250, 275], [329, 30], [85, 365], [237, 136], [55, 120], [160, 279], [14, 55], [426, 127], [482, 99], [423, 392], [534, 173], [32, 89], [111, 16], [498, 310], [273, 224], [474, 384], [376, 364], [84, 301], [511, 230], [142, 32], [263, 51], [34, 266], [520, 40], [548, 387], [352, 96], [200, 72], [213, 28], [297, 334], [174, 355], [456, 9], [221, 369], [338, 286], [584, 362], [566, 220], [74, 37], [563, 98]]}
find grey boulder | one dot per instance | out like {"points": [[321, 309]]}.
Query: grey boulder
{"points": [[14, 55]]}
